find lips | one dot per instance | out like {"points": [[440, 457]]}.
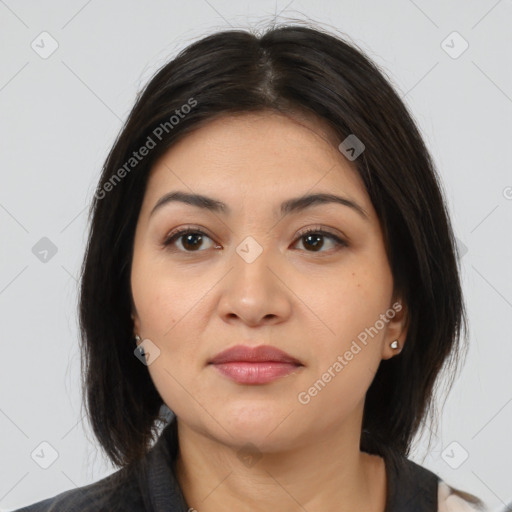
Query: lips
{"points": [[260, 354], [255, 365]]}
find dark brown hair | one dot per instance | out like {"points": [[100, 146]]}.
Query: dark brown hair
{"points": [[287, 69]]}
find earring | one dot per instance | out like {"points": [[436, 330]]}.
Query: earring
{"points": [[140, 348], [394, 344]]}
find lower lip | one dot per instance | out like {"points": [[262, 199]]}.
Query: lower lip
{"points": [[255, 373]]}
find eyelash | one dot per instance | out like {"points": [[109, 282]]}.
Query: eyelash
{"points": [[172, 237]]}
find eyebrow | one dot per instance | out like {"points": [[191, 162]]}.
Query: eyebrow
{"points": [[289, 206]]}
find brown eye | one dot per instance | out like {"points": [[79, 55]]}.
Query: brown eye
{"points": [[191, 239], [314, 239]]}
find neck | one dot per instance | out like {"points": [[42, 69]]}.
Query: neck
{"points": [[330, 473]]}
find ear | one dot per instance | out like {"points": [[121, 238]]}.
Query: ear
{"points": [[396, 329]]}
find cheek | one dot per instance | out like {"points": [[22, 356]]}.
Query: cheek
{"points": [[161, 298], [168, 305], [351, 310], [347, 358]]}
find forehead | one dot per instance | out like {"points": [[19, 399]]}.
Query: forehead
{"points": [[257, 157]]}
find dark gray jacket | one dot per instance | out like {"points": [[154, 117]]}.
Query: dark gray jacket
{"points": [[153, 487]]}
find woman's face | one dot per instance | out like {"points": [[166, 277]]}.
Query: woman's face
{"points": [[253, 278]]}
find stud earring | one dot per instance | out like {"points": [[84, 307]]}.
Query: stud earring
{"points": [[394, 344], [137, 338]]}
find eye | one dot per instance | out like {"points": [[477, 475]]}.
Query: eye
{"points": [[191, 239], [314, 237]]}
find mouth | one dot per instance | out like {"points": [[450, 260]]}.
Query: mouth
{"points": [[255, 365]]}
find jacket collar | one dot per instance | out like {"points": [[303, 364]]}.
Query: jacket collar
{"points": [[409, 486]]}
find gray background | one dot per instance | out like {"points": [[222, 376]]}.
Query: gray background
{"points": [[59, 116]]}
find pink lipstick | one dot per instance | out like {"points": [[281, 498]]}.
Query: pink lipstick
{"points": [[255, 365]]}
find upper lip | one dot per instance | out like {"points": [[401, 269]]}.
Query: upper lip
{"points": [[261, 353]]}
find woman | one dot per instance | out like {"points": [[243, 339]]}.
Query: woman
{"points": [[271, 259]]}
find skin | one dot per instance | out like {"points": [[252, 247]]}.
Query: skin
{"points": [[310, 303]]}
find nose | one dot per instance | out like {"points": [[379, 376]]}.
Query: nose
{"points": [[255, 292]]}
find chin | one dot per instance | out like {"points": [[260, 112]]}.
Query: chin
{"points": [[260, 424]]}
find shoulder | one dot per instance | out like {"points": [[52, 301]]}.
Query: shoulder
{"points": [[116, 492], [415, 487], [137, 487], [456, 500]]}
